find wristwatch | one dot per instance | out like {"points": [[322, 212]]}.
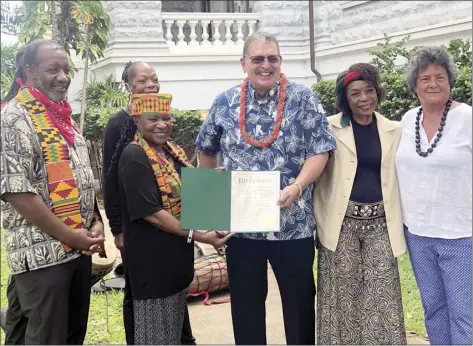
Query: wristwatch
{"points": [[189, 236]]}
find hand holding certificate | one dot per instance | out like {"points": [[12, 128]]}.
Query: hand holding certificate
{"points": [[238, 201]]}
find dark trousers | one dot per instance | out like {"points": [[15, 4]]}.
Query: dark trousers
{"points": [[292, 263], [128, 318], [55, 301], [15, 320]]}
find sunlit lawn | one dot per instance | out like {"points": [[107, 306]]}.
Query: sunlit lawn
{"points": [[99, 333]]}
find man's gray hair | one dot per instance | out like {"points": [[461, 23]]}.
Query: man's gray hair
{"points": [[259, 35], [425, 57]]}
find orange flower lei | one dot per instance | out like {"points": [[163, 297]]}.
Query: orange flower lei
{"points": [[277, 124]]}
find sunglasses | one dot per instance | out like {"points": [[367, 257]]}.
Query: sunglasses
{"points": [[259, 59]]}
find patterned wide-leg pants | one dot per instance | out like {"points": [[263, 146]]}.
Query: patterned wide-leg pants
{"points": [[159, 321], [359, 292]]}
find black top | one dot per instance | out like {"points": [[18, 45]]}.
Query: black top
{"points": [[159, 264], [112, 134], [367, 184]]}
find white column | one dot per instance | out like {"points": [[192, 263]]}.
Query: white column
{"points": [[205, 32], [251, 27], [324, 12], [287, 20], [180, 36], [169, 24], [127, 35], [193, 35], [240, 32], [216, 26], [228, 33]]}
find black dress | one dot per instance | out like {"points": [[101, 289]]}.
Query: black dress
{"points": [[160, 264], [111, 136]]}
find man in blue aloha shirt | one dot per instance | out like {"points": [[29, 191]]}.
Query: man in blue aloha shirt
{"points": [[283, 128]]}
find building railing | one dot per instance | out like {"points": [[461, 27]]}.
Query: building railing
{"points": [[208, 29]]}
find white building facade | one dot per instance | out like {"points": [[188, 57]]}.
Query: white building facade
{"points": [[196, 54]]}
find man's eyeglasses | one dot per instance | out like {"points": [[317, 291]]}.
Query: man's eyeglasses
{"points": [[259, 59]]}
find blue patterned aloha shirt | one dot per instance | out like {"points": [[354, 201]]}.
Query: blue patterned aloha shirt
{"points": [[305, 132]]}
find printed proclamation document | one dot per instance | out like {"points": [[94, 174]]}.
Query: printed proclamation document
{"points": [[254, 197]]}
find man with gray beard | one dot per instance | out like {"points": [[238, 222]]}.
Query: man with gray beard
{"points": [[50, 217]]}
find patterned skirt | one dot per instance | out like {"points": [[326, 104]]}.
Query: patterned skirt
{"points": [[359, 292], [159, 321]]}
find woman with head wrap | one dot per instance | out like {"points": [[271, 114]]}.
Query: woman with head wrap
{"points": [[138, 77], [159, 254], [359, 222]]}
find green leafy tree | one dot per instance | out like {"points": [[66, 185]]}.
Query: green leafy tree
{"points": [[8, 66], [79, 26], [66, 22], [462, 56], [398, 99], [385, 57], [103, 98]]}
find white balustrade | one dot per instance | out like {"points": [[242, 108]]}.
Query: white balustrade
{"points": [[208, 29], [216, 32], [168, 36], [180, 35], [228, 33], [193, 35], [205, 32]]}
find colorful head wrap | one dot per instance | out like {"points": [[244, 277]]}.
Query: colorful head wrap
{"points": [[150, 104], [350, 77], [341, 88]]}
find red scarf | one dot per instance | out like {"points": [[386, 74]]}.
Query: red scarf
{"points": [[58, 113]]}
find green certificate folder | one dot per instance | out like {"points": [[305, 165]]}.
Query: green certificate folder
{"points": [[205, 199], [235, 201]]}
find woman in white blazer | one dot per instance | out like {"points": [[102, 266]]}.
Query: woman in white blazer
{"points": [[359, 222]]}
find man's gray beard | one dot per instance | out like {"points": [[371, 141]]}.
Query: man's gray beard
{"points": [[54, 96]]}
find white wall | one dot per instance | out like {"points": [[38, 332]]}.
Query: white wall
{"points": [[332, 60]]}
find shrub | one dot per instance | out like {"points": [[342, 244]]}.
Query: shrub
{"points": [[185, 128], [325, 91]]}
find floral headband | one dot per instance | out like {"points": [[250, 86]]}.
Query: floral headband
{"points": [[150, 104]]}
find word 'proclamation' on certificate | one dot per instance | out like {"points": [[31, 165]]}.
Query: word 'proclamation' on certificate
{"points": [[254, 199]]}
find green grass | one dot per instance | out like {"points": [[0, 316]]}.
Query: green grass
{"points": [[413, 311], [99, 333]]}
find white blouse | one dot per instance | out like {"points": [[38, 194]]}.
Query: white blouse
{"points": [[436, 191]]}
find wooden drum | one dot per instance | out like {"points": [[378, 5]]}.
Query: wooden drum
{"points": [[210, 274]]}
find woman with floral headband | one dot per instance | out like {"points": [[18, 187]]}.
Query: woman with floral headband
{"points": [[359, 222], [160, 255]]}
